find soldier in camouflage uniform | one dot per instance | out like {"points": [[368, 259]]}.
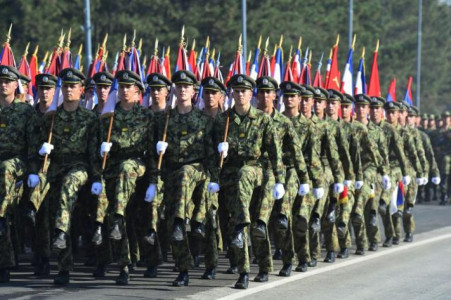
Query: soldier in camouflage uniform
{"points": [[156, 226], [125, 164], [250, 134], [74, 140], [103, 82], [293, 159], [187, 161], [346, 147], [17, 158], [292, 231], [417, 164], [442, 147], [375, 177], [37, 209]]}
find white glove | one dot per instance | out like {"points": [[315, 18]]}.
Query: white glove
{"points": [[425, 180], [213, 187], [278, 191], [33, 180], [151, 192], [96, 188], [161, 147], [386, 183], [358, 185], [348, 183], [435, 180], [406, 180], [223, 148], [46, 148], [338, 188], [105, 148], [318, 193], [304, 189], [419, 181]]}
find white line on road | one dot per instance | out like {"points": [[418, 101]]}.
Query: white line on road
{"points": [[312, 272]]}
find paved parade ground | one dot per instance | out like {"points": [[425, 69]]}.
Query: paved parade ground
{"points": [[418, 270]]}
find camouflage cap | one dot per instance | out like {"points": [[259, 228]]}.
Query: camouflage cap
{"points": [[46, 80], [446, 114], [9, 73], [335, 95], [377, 101], [431, 117], [267, 83], [392, 106], [241, 81], [25, 79], [347, 100], [184, 77], [103, 78], [318, 93], [90, 83], [213, 84], [291, 88], [362, 99], [404, 106], [71, 75], [413, 111], [424, 116], [158, 80], [127, 77]]}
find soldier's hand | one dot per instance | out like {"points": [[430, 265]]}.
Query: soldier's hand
{"points": [[318, 193], [304, 189], [419, 181], [33, 180], [96, 188], [105, 148], [358, 185], [151, 192], [46, 148], [161, 147], [223, 148], [338, 188], [348, 183], [386, 183], [213, 187], [278, 191], [435, 180], [406, 180], [425, 180]]}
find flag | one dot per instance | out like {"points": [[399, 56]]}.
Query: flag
{"points": [[296, 65], [264, 69], [24, 69], [391, 96], [34, 70], [333, 81], [360, 81], [374, 87], [346, 83], [408, 95], [192, 59], [343, 198], [318, 81], [253, 72], [182, 60], [278, 66], [166, 64], [400, 196], [328, 65], [111, 101]]}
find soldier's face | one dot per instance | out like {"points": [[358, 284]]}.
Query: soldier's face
{"points": [[402, 117], [265, 98], [45, 93], [447, 121], [7, 87], [184, 92], [72, 91], [411, 121], [306, 106], [212, 98], [376, 114], [361, 112], [127, 92], [392, 116], [346, 112], [242, 96], [424, 123], [319, 106], [291, 101], [432, 123], [332, 108], [102, 92], [159, 93]]}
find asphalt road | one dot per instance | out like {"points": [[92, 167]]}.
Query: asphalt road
{"points": [[418, 270]]}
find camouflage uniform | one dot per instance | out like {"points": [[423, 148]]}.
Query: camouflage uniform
{"points": [[432, 162], [131, 137], [249, 137], [441, 142], [18, 137], [293, 159], [74, 157]]}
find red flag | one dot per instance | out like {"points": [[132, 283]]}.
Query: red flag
{"points": [[391, 96], [264, 69], [318, 81], [167, 64], [288, 76], [333, 81], [374, 87]]}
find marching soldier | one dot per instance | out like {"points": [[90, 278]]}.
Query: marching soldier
{"points": [[103, 82], [74, 140], [17, 158], [250, 133]]}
